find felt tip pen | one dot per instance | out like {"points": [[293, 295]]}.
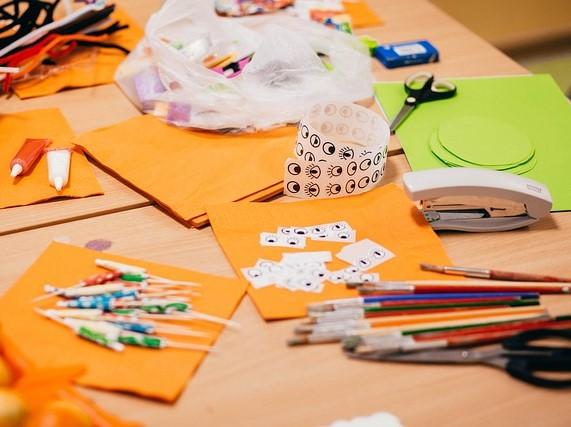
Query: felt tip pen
{"points": [[58, 167], [27, 156]]}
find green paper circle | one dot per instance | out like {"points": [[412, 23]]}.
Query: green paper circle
{"points": [[450, 160], [485, 141]]}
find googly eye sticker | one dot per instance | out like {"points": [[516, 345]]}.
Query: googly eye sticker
{"points": [[342, 129], [253, 273], [329, 148], [315, 141], [294, 168], [363, 182], [352, 168], [300, 231], [364, 263], [309, 156], [378, 157], [346, 111], [313, 171], [346, 153], [293, 187], [333, 189], [365, 164], [377, 254], [334, 171], [352, 270], [350, 186], [304, 131], [376, 176], [311, 189], [330, 109], [299, 149]]}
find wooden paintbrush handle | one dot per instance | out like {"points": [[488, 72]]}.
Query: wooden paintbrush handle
{"points": [[525, 277]]}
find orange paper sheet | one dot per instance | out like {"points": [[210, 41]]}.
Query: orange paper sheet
{"points": [[361, 14], [160, 374], [34, 187], [186, 170], [384, 215], [87, 66]]}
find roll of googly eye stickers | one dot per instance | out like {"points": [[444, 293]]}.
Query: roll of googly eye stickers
{"points": [[341, 150]]}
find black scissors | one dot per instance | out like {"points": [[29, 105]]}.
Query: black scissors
{"points": [[421, 87], [516, 355]]}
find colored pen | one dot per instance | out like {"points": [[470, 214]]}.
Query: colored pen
{"points": [[360, 301]]}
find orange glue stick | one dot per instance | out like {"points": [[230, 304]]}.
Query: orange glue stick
{"points": [[27, 156]]}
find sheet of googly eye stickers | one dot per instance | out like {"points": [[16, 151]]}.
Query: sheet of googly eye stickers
{"points": [[341, 150], [307, 271]]}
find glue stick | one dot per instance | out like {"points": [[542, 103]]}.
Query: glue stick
{"points": [[27, 156], [58, 167]]}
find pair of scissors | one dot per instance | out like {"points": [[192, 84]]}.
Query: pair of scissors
{"points": [[516, 355], [422, 87]]}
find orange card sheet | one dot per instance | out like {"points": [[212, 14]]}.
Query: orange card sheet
{"points": [[159, 374], [384, 215]]}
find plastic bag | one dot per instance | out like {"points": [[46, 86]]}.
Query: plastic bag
{"points": [[165, 74]]}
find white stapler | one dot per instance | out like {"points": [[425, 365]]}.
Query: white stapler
{"points": [[477, 200]]}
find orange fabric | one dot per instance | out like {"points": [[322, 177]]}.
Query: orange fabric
{"points": [[159, 374], [384, 215], [186, 170], [86, 66], [35, 187], [361, 14]]}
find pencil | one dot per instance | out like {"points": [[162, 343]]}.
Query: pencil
{"points": [[486, 273]]}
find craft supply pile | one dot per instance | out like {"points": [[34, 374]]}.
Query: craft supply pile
{"points": [[238, 102]]}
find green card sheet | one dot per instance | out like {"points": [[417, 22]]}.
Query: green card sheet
{"points": [[534, 104]]}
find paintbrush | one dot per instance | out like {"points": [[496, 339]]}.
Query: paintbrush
{"points": [[486, 273]]}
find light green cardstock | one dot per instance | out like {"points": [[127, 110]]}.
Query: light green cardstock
{"points": [[533, 104], [485, 141], [445, 156]]}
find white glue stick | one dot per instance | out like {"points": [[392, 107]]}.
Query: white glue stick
{"points": [[58, 167]]}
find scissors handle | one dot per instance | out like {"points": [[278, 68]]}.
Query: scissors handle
{"points": [[524, 369], [552, 359]]}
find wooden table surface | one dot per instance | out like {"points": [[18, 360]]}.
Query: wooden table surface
{"points": [[254, 379]]}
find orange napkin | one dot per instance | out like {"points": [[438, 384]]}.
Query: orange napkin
{"points": [[186, 170], [159, 374], [361, 14], [35, 187], [384, 215], [88, 66]]}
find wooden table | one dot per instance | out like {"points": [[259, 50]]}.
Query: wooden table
{"points": [[254, 379]]}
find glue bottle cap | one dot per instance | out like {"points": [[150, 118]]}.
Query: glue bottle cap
{"points": [[58, 183], [16, 170]]}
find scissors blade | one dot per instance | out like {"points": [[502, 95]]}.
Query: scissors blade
{"points": [[463, 356], [403, 113]]}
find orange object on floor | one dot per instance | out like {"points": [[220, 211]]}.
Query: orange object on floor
{"points": [[159, 374], [184, 170], [384, 215], [40, 389], [34, 186]]}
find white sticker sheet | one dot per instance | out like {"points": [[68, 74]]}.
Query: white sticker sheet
{"points": [[307, 271], [365, 254], [341, 150]]}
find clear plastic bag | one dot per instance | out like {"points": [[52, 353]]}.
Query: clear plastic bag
{"points": [[165, 74]]}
